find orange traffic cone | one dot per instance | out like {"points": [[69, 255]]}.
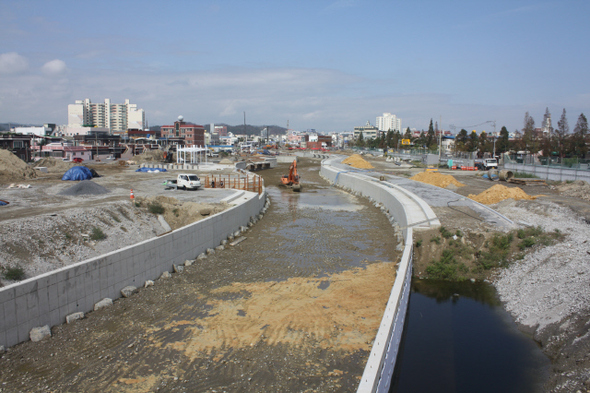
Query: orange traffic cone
{"points": [[132, 197]]}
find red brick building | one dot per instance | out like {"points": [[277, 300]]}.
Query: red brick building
{"points": [[193, 134]]}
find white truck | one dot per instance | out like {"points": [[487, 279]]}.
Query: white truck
{"points": [[186, 181], [485, 164]]}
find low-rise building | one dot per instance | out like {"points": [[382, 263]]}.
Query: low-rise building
{"points": [[193, 134]]}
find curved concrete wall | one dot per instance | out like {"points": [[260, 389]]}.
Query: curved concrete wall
{"points": [[381, 363], [47, 299]]}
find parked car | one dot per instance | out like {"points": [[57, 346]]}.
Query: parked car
{"points": [[77, 160]]}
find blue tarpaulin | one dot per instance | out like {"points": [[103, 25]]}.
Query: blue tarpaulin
{"points": [[2, 203], [77, 173], [151, 170]]}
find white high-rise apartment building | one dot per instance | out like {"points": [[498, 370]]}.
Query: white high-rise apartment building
{"points": [[118, 118], [389, 122]]}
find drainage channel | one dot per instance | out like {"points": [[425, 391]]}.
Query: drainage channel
{"points": [[294, 307]]}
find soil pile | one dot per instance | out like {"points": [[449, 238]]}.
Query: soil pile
{"points": [[54, 165], [356, 161], [149, 156], [436, 179], [226, 161], [176, 213], [85, 187], [577, 189], [13, 168], [499, 193]]}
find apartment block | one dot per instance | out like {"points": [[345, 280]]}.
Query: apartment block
{"points": [[389, 122], [118, 118]]}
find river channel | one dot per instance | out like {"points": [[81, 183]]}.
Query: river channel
{"points": [[458, 338]]}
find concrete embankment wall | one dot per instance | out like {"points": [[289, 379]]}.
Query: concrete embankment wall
{"points": [[381, 363], [47, 299]]}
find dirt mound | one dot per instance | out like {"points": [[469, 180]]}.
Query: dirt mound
{"points": [[178, 214], [85, 187], [149, 156], [356, 161], [499, 193], [576, 189], [437, 179], [54, 165], [13, 168], [226, 161]]}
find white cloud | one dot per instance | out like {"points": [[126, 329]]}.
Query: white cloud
{"points": [[12, 63], [54, 67]]}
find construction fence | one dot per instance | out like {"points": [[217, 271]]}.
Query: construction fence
{"points": [[246, 182]]}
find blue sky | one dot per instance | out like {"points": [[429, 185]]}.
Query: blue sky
{"points": [[328, 65]]}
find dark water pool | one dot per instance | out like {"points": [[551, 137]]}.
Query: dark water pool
{"points": [[458, 338]]}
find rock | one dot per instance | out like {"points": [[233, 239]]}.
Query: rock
{"points": [[39, 333], [178, 268], [230, 238], [166, 275], [128, 290], [210, 251], [237, 233], [219, 248], [188, 262], [148, 283], [103, 303], [202, 256], [74, 317], [1, 349], [223, 242], [205, 212]]}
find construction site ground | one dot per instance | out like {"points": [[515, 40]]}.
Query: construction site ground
{"points": [[288, 326]]}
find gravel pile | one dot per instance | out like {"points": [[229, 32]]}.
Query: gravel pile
{"points": [[548, 292], [85, 187], [552, 282]]}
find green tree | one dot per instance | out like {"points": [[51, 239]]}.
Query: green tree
{"points": [[528, 134], [430, 136], [580, 147], [360, 141], [561, 135], [502, 144], [483, 144], [472, 142], [389, 139], [461, 140]]}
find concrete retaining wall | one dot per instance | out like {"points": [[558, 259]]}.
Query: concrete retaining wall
{"points": [[381, 363], [550, 173], [47, 299]]}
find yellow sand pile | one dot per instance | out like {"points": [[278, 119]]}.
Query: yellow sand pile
{"points": [[356, 161], [436, 179], [498, 193]]}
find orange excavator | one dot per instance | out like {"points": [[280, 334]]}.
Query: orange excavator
{"points": [[292, 179]]}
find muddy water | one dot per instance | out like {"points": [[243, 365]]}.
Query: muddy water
{"points": [[295, 307], [458, 338]]}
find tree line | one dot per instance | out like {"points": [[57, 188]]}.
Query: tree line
{"points": [[549, 142]]}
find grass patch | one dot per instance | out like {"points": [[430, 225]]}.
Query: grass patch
{"points": [[97, 234], [418, 243], [524, 175], [447, 268], [156, 208], [175, 211], [15, 273], [435, 239]]}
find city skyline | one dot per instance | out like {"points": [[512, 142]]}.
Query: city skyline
{"points": [[327, 65]]}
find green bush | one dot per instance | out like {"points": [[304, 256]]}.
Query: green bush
{"points": [[526, 243], [97, 234], [14, 273], [435, 239], [418, 243], [156, 208], [447, 268]]}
